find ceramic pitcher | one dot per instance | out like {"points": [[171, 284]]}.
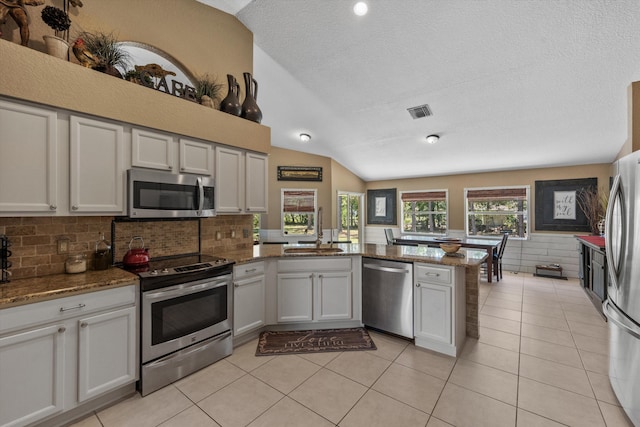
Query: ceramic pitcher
{"points": [[231, 104], [250, 109]]}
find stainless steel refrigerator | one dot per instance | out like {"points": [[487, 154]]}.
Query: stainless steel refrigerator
{"points": [[622, 306]]}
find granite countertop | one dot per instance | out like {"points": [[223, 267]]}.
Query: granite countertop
{"points": [[394, 252], [36, 289]]}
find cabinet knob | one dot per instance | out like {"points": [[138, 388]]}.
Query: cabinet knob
{"points": [[84, 324], [417, 285], [181, 169], [74, 208], [320, 276], [61, 329], [52, 207], [236, 285]]}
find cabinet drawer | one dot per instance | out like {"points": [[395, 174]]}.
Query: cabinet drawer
{"points": [[247, 270], [314, 264], [598, 257], [64, 308], [433, 274]]}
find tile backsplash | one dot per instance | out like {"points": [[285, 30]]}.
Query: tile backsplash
{"points": [[34, 242], [35, 239]]}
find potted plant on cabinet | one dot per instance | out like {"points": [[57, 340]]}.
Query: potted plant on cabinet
{"points": [[102, 52], [208, 91], [58, 20]]}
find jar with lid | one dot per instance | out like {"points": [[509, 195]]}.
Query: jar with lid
{"points": [[102, 256], [76, 264]]}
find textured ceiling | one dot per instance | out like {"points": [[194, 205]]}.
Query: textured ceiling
{"points": [[512, 84]]}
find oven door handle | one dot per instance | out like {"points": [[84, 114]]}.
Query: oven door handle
{"points": [[184, 290]]}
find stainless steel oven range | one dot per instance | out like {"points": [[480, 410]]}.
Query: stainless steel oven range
{"points": [[186, 312]]}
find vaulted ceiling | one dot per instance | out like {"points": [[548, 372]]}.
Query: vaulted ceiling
{"points": [[512, 84]]}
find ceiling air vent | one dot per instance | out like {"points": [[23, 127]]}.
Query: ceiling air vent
{"points": [[420, 111]]}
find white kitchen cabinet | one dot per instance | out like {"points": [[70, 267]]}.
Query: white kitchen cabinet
{"points": [[241, 181], [439, 308], [96, 169], [56, 355], [229, 192], [106, 352], [295, 297], [28, 159], [257, 183], [32, 372], [196, 157], [248, 297], [152, 150], [314, 289]]}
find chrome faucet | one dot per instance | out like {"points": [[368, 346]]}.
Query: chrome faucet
{"points": [[319, 239]]}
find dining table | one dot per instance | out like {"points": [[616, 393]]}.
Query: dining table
{"points": [[489, 245]]}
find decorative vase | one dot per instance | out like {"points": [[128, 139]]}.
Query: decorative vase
{"points": [[250, 109], [57, 47], [231, 104]]}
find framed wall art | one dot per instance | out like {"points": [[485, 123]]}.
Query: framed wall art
{"points": [[557, 207], [299, 173], [382, 207]]}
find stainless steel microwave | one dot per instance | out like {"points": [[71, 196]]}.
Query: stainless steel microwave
{"points": [[154, 194]]}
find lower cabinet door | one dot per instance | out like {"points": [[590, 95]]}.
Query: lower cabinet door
{"points": [[333, 296], [106, 352], [248, 304], [31, 375], [432, 312], [295, 297]]}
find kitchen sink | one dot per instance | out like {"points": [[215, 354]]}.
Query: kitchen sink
{"points": [[312, 250]]}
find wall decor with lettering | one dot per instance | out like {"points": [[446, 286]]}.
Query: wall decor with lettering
{"points": [[557, 207]]}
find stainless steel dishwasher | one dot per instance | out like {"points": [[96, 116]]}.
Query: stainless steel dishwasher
{"points": [[387, 296]]}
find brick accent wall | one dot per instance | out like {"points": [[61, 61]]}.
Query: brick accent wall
{"points": [[35, 242], [35, 239]]}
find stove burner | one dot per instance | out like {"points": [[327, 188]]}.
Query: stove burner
{"points": [[164, 272]]}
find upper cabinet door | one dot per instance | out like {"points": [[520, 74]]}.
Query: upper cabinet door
{"points": [[152, 150], [96, 166], [257, 169], [196, 157], [229, 180], [28, 159]]}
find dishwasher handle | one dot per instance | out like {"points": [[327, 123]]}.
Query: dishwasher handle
{"points": [[387, 269]]}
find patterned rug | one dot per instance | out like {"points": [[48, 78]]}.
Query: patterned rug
{"points": [[273, 343]]}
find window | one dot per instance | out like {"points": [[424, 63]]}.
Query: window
{"points": [[498, 210], [298, 212], [424, 211]]}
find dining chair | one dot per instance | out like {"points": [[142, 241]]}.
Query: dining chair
{"points": [[389, 235], [497, 257]]}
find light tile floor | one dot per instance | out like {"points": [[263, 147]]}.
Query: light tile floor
{"points": [[541, 360]]}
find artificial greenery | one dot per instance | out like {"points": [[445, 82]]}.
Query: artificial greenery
{"points": [[106, 48], [56, 18], [207, 85]]}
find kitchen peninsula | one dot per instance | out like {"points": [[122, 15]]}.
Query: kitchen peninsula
{"points": [[471, 262]]}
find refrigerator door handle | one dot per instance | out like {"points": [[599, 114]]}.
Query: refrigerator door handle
{"points": [[613, 256], [614, 314]]}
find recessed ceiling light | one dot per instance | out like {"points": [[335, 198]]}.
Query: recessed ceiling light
{"points": [[360, 8], [305, 137], [432, 139]]}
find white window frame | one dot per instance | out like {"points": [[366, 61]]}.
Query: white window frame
{"points": [[314, 213], [446, 191], [526, 214]]}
